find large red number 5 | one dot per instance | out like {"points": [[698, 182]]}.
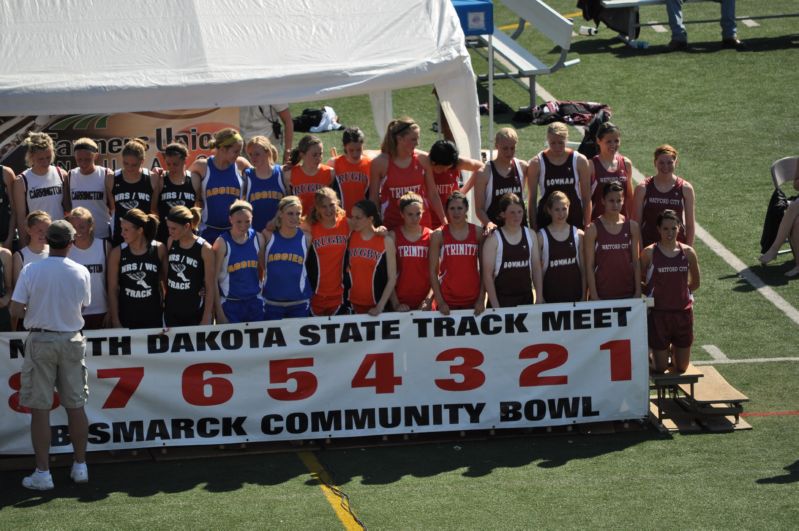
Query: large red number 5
{"points": [[472, 377], [621, 364], [384, 379], [279, 372], [194, 384], [556, 356], [129, 380]]}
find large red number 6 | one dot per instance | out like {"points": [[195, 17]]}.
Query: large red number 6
{"points": [[621, 364], [279, 372], [556, 356], [194, 384], [384, 379], [472, 377], [129, 380]]}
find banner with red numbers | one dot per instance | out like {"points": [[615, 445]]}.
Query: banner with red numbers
{"points": [[315, 378]]}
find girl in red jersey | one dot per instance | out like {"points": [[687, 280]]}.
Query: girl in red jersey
{"points": [[672, 274], [352, 170], [511, 263], [664, 191], [412, 241], [455, 261], [401, 168], [372, 262], [559, 168], [561, 249], [611, 251], [447, 164], [330, 230], [609, 165], [306, 174]]}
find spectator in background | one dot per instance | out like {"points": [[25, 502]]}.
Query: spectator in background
{"points": [[88, 185], [789, 228], [41, 186], [272, 121], [91, 252], [679, 37], [505, 174]]}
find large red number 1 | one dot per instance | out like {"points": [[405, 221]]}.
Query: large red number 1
{"points": [[384, 379], [129, 380], [556, 355], [472, 377], [621, 365]]}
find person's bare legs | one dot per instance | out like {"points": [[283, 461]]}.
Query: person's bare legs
{"points": [[786, 228], [78, 432], [681, 359], [795, 248], [40, 437], [660, 359]]}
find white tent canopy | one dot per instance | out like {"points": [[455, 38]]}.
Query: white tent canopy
{"points": [[99, 56]]}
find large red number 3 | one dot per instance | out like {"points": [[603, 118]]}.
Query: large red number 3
{"points": [[471, 376], [384, 379], [129, 380], [279, 372], [194, 383], [556, 355], [621, 364]]}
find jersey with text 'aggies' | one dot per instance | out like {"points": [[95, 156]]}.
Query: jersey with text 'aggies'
{"points": [[368, 272], [459, 272], [238, 278], [185, 282], [656, 202], [513, 279], [613, 262], [563, 281], [286, 279], [352, 181], [563, 178], [264, 195], [139, 288], [413, 268], [220, 188]]}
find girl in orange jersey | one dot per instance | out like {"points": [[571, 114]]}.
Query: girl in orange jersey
{"points": [[372, 262], [455, 261], [447, 164], [401, 168], [306, 174], [412, 240], [330, 231], [351, 181]]}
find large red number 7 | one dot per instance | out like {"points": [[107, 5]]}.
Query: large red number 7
{"points": [[129, 380]]}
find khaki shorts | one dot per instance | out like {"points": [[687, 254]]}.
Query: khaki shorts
{"points": [[54, 360]]}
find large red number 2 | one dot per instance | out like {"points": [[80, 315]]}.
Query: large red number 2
{"points": [[556, 356], [279, 372], [194, 383], [472, 377], [129, 380], [621, 365], [384, 379]]}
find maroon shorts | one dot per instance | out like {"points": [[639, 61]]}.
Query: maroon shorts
{"points": [[671, 328]]}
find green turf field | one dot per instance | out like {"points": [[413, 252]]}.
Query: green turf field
{"points": [[730, 114]]}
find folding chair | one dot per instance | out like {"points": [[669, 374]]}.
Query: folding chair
{"points": [[783, 171]]}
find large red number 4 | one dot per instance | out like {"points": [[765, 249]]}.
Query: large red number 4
{"points": [[280, 372], [194, 384], [472, 377], [129, 380], [556, 355], [384, 379], [621, 364]]}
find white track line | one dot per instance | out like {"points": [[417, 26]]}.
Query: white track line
{"points": [[749, 23], [747, 360], [658, 28], [715, 352]]}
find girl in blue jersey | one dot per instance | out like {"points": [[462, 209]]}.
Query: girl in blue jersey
{"points": [[239, 262], [266, 183], [286, 288], [221, 182]]}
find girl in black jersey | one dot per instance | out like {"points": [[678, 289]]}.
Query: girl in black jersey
{"points": [[561, 248], [178, 186], [135, 272], [132, 187], [190, 271]]}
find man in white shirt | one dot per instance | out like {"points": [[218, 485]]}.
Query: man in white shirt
{"points": [[272, 121], [49, 295]]}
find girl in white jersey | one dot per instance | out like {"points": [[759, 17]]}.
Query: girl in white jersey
{"points": [[90, 252], [87, 184]]}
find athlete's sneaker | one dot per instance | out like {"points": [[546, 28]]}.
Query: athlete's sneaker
{"points": [[79, 473], [38, 481]]}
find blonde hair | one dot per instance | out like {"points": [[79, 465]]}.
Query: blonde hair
{"points": [[225, 138], [287, 201], [506, 133], [238, 205], [320, 195], [665, 149], [134, 148], [557, 195], [37, 216], [36, 142], [558, 129], [396, 128], [81, 213], [267, 146], [410, 198], [85, 143]]}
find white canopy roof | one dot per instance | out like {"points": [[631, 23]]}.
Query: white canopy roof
{"points": [[100, 56]]}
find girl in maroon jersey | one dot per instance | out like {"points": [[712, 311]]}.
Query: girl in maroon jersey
{"points": [[609, 165], [455, 261], [664, 191], [612, 269], [511, 264], [561, 251], [672, 274], [412, 242]]}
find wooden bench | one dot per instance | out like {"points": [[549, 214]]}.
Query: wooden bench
{"points": [[526, 65], [714, 396], [671, 382]]}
